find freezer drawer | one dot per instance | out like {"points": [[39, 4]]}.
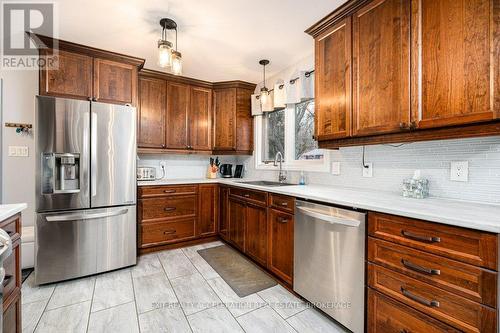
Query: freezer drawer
{"points": [[72, 244]]}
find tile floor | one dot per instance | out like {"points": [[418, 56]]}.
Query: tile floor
{"points": [[169, 291]]}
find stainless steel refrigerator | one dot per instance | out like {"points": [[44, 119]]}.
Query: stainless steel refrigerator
{"points": [[85, 188]]}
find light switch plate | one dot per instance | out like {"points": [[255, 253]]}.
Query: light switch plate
{"points": [[459, 171], [12, 151], [368, 169], [336, 168]]}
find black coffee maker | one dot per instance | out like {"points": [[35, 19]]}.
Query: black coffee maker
{"points": [[226, 170]]}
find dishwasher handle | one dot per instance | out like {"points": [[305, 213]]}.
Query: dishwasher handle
{"points": [[330, 218]]}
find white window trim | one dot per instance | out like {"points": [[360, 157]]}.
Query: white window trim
{"points": [[290, 163]]}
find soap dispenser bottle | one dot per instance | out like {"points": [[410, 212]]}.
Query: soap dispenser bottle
{"points": [[302, 180]]}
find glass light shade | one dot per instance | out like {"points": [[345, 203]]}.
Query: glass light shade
{"points": [[176, 63], [164, 53], [264, 96]]}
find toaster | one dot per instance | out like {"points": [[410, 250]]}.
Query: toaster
{"points": [[146, 173]]}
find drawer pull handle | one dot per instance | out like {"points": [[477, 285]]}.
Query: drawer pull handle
{"points": [[419, 299], [169, 209], [246, 195], [169, 191], [417, 268], [169, 232], [425, 239], [282, 220], [284, 204], [6, 280]]}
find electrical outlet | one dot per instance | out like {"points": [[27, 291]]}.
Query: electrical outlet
{"points": [[18, 151], [459, 171], [368, 169], [336, 168]]}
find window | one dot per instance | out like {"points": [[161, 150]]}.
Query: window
{"points": [[273, 134], [306, 148], [289, 131]]}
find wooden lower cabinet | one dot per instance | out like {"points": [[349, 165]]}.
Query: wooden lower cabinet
{"points": [[280, 244], [256, 233], [430, 277], [386, 315], [12, 281], [237, 221], [224, 212], [173, 214], [208, 210]]}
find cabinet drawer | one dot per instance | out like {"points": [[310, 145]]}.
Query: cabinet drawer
{"points": [[471, 246], [166, 232], [11, 266], [388, 316], [282, 202], [452, 309], [255, 196], [168, 207], [12, 226], [469, 281], [159, 191]]}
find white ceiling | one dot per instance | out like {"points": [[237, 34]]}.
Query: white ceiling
{"points": [[219, 39]]}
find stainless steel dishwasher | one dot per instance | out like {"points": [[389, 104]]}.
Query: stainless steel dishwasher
{"points": [[329, 261]]}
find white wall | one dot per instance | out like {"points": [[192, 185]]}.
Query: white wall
{"points": [[18, 173], [392, 164]]}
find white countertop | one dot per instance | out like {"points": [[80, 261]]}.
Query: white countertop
{"points": [[9, 210], [472, 215]]}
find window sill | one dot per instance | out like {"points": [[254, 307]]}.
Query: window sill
{"points": [[309, 167]]}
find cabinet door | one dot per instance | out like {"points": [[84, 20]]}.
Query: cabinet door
{"points": [[114, 82], [381, 66], [71, 79], [237, 216], [208, 201], [225, 119], [224, 212], [256, 233], [455, 62], [280, 246], [333, 82], [244, 121], [200, 119], [177, 115], [151, 113]]}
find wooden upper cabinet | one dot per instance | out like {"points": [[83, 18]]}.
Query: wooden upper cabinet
{"points": [[333, 82], [177, 115], [455, 54], [152, 113], [244, 121], [381, 66], [200, 119], [71, 79], [225, 119], [115, 82]]}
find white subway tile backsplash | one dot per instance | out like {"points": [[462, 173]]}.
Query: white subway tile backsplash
{"points": [[391, 164]]}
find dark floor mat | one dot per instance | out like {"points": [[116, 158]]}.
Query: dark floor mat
{"points": [[25, 273], [243, 276]]}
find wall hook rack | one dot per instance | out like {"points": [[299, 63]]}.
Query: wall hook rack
{"points": [[20, 127]]}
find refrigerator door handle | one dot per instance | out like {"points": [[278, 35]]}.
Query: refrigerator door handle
{"points": [[73, 217], [93, 154]]}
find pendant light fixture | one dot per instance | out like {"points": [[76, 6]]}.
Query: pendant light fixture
{"points": [[168, 57], [264, 92]]}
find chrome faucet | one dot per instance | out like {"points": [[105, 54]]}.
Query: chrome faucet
{"points": [[282, 174]]}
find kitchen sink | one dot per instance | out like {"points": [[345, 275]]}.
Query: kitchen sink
{"points": [[266, 183]]}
